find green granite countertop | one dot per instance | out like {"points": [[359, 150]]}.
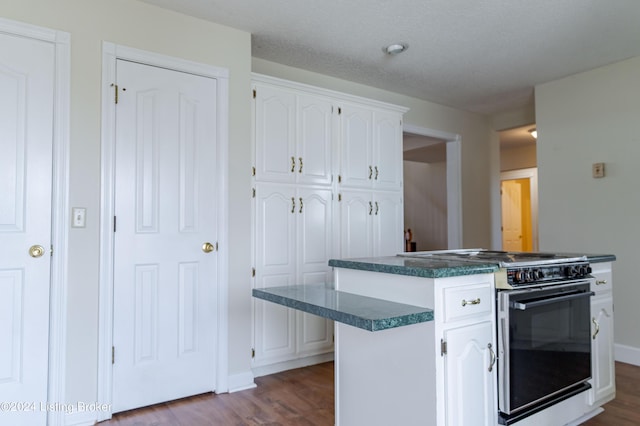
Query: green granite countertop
{"points": [[416, 267], [363, 312]]}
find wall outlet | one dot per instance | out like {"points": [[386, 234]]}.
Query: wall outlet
{"points": [[598, 170]]}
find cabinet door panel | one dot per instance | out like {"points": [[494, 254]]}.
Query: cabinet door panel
{"points": [[469, 386], [275, 135], [355, 224], [275, 266], [387, 151], [314, 130], [388, 223], [602, 356], [356, 147]]}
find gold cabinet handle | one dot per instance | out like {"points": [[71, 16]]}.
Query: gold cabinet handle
{"points": [[293, 204], [208, 247], [493, 357], [36, 251], [593, 320], [376, 172], [301, 205], [370, 172], [370, 208], [377, 208], [471, 302], [601, 282], [293, 164], [300, 160]]}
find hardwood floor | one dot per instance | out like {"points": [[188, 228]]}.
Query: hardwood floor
{"points": [[305, 397]]}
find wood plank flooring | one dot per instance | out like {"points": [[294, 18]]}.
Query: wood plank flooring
{"points": [[304, 397]]}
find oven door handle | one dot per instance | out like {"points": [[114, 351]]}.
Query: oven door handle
{"points": [[525, 306]]}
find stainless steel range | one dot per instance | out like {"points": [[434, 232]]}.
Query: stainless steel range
{"points": [[543, 327]]}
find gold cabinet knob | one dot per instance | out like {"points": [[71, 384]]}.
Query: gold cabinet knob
{"points": [[208, 247], [36, 251]]}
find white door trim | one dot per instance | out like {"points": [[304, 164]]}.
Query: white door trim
{"points": [[454, 180], [532, 175], [59, 206], [110, 53]]}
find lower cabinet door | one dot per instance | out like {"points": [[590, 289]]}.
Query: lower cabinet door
{"points": [[602, 356], [470, 385]]}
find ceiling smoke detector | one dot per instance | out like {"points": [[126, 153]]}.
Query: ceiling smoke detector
{"points": [[395, 48]]}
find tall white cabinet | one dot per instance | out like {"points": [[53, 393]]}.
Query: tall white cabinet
{"points": [[327, 184]]}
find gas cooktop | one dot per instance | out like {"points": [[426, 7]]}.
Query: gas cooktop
{"points": [[503, 258]]}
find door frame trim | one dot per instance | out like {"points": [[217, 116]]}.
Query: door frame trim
{"points": [[532, 175], [59, 206], [454, 179], [110, 54]]}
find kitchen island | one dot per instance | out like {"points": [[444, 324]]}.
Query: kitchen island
{"points": [[387, 312], [415, 341]]}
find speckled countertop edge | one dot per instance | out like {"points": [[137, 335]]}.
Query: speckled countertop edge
{"points": [[425, 268], [363, 312]]}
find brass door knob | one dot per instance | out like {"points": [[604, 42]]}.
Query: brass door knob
{"points": [[36, 251], [208, 247]]}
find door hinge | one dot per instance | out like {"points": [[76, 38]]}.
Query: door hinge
{"points": [[253, 272], [113, 354], [253, 193], [217, 249], [253, 353], [254, 93], [443, 347], [51, 250], [115, 95], [253, 171], [114, 224]]}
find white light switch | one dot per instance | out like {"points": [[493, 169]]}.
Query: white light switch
{"points": [[79, 217]]}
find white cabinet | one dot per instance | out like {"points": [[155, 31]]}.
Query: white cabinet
{"points": [[301, 137], [293, 233], [469, 384], [468, 352], [371, 223], [371, 148], [293, 136], [602, 356], [441, 372]]}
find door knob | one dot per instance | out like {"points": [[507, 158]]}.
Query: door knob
{"points": [[36, 251], [208, 247]]}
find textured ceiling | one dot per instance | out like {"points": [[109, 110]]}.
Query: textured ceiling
{"points": [[477, 55]]}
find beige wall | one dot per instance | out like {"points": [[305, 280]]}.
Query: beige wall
{"points": [[135, 24], [583, 119], [425, 204], [478, 148], [518, 158]]}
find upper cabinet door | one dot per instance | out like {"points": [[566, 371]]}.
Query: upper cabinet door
{"points": [[387, 151], [314, 140], [356, 128], [275, 115]]}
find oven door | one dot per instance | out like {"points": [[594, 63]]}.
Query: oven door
{"points": [[544, 344]]}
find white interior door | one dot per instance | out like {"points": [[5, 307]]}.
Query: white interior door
{"points": [[26, 143], [511, 216], [165, 307]]}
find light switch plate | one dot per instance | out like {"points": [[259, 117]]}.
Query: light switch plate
{"points": [[598, 170], [78, 217]]}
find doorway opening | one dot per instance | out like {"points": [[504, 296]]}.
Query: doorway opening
{"points": [[432, 189], [519, 189]]}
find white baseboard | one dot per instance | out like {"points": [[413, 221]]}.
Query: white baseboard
{"points": [[81, 418], [265, 370], [627, 354], [241, 381]]}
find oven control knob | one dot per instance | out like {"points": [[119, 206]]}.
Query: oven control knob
{"points": [[528, 276], [538, 274], [518, 277]]}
